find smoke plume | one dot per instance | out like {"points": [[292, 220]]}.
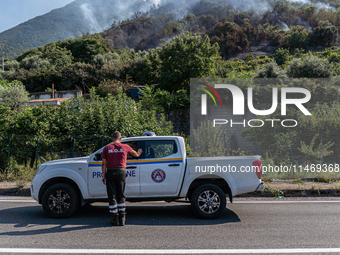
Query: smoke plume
{"points": [[100, 14], [319, 5], [90, 17]]}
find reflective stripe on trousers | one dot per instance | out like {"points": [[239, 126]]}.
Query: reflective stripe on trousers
{"points": [[121, 207], [113, 209]]}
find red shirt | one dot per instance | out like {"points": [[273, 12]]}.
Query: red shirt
{"points": [[115, 154]]}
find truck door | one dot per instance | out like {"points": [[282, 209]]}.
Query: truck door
{"points": [[95, 185], [161, 169], [132, 188], [98, 189]]}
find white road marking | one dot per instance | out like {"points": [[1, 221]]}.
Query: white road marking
{"points": [[18, 200], [234, 202], [286, 201], [156, 251]]}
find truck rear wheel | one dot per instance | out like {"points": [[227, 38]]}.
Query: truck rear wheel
{"points": [[60, 200], [208, 201]]}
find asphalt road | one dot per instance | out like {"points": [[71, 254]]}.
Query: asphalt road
{"points": [[255, 225]]}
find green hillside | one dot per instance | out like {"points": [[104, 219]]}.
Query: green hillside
{"points": [[73, 20], [212, 39]]}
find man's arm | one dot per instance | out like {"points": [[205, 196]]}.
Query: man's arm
{"points": [[103, 169], [136, 153]]}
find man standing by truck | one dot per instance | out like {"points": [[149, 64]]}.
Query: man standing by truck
{"points": [[114, 173]]}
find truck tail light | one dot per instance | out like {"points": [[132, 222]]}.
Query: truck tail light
{"points": [[258, 168]]}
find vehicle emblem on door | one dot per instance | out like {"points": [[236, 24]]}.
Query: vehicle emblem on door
{"points": [[158, 175]]}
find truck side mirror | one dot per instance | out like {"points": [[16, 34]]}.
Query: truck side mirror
{"points": [[97, 157]]}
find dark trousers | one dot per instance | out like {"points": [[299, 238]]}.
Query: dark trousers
{"points": [[115, 187]]}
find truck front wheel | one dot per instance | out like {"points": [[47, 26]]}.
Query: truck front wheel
{"points": [[208, 201], [60, 200]]}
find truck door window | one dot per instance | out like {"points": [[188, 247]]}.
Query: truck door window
{"points": [[133, 145], [98, 156], [160, 149]]}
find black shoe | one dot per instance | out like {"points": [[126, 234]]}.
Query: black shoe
{"points": [[115, 221], [122, 220]]}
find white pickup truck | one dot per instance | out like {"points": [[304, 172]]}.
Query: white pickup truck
{"points": [[162, 172]]}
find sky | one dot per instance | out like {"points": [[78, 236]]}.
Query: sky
{"points": [[14, 12]]}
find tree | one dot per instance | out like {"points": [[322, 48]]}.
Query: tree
{"points": [[206, 21], [186, 57], [35, 62], [324, 35], [11, 65], [312, 152], [230, 37], [111, 87], [84, 49], [30, 53], [297, 37], [109, 58], [325, 119], [7, 117], [59, 57], [150, 70], [14, 95], [209, 141]]}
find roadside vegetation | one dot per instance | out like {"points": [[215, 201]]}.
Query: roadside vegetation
{"points": [[162, 53]]}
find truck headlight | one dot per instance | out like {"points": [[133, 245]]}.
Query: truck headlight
{"points": [[41, 168]]}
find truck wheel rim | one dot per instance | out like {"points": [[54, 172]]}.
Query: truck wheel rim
{"points": [[59, 201], [209, 201]]}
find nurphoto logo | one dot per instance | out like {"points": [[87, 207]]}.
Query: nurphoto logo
{"points": [[238, 100], [287, 96]]}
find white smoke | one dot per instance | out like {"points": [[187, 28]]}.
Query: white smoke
{"points": [[155, 2], [99, 16], [90, 17], [321, 5], [304, 23], [284, 26], [318, 5]]}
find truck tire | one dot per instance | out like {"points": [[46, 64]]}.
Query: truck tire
{"points": [[60, 200], [208, 201]]}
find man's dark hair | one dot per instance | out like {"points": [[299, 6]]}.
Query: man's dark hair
{"points": [[116, 135]]}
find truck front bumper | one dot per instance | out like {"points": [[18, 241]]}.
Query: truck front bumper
{"points": [[36, 184], [261, 187]]}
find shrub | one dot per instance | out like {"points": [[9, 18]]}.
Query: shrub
{"points": [[14, 95], [109, 58], [322, 150], [281, 56], [333, 57], [208, 141], [270, 70], [164, 101], [250, 57], [310, 67]]}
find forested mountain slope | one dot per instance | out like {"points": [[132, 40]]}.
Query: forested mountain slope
{"points": [[73, 20]]}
